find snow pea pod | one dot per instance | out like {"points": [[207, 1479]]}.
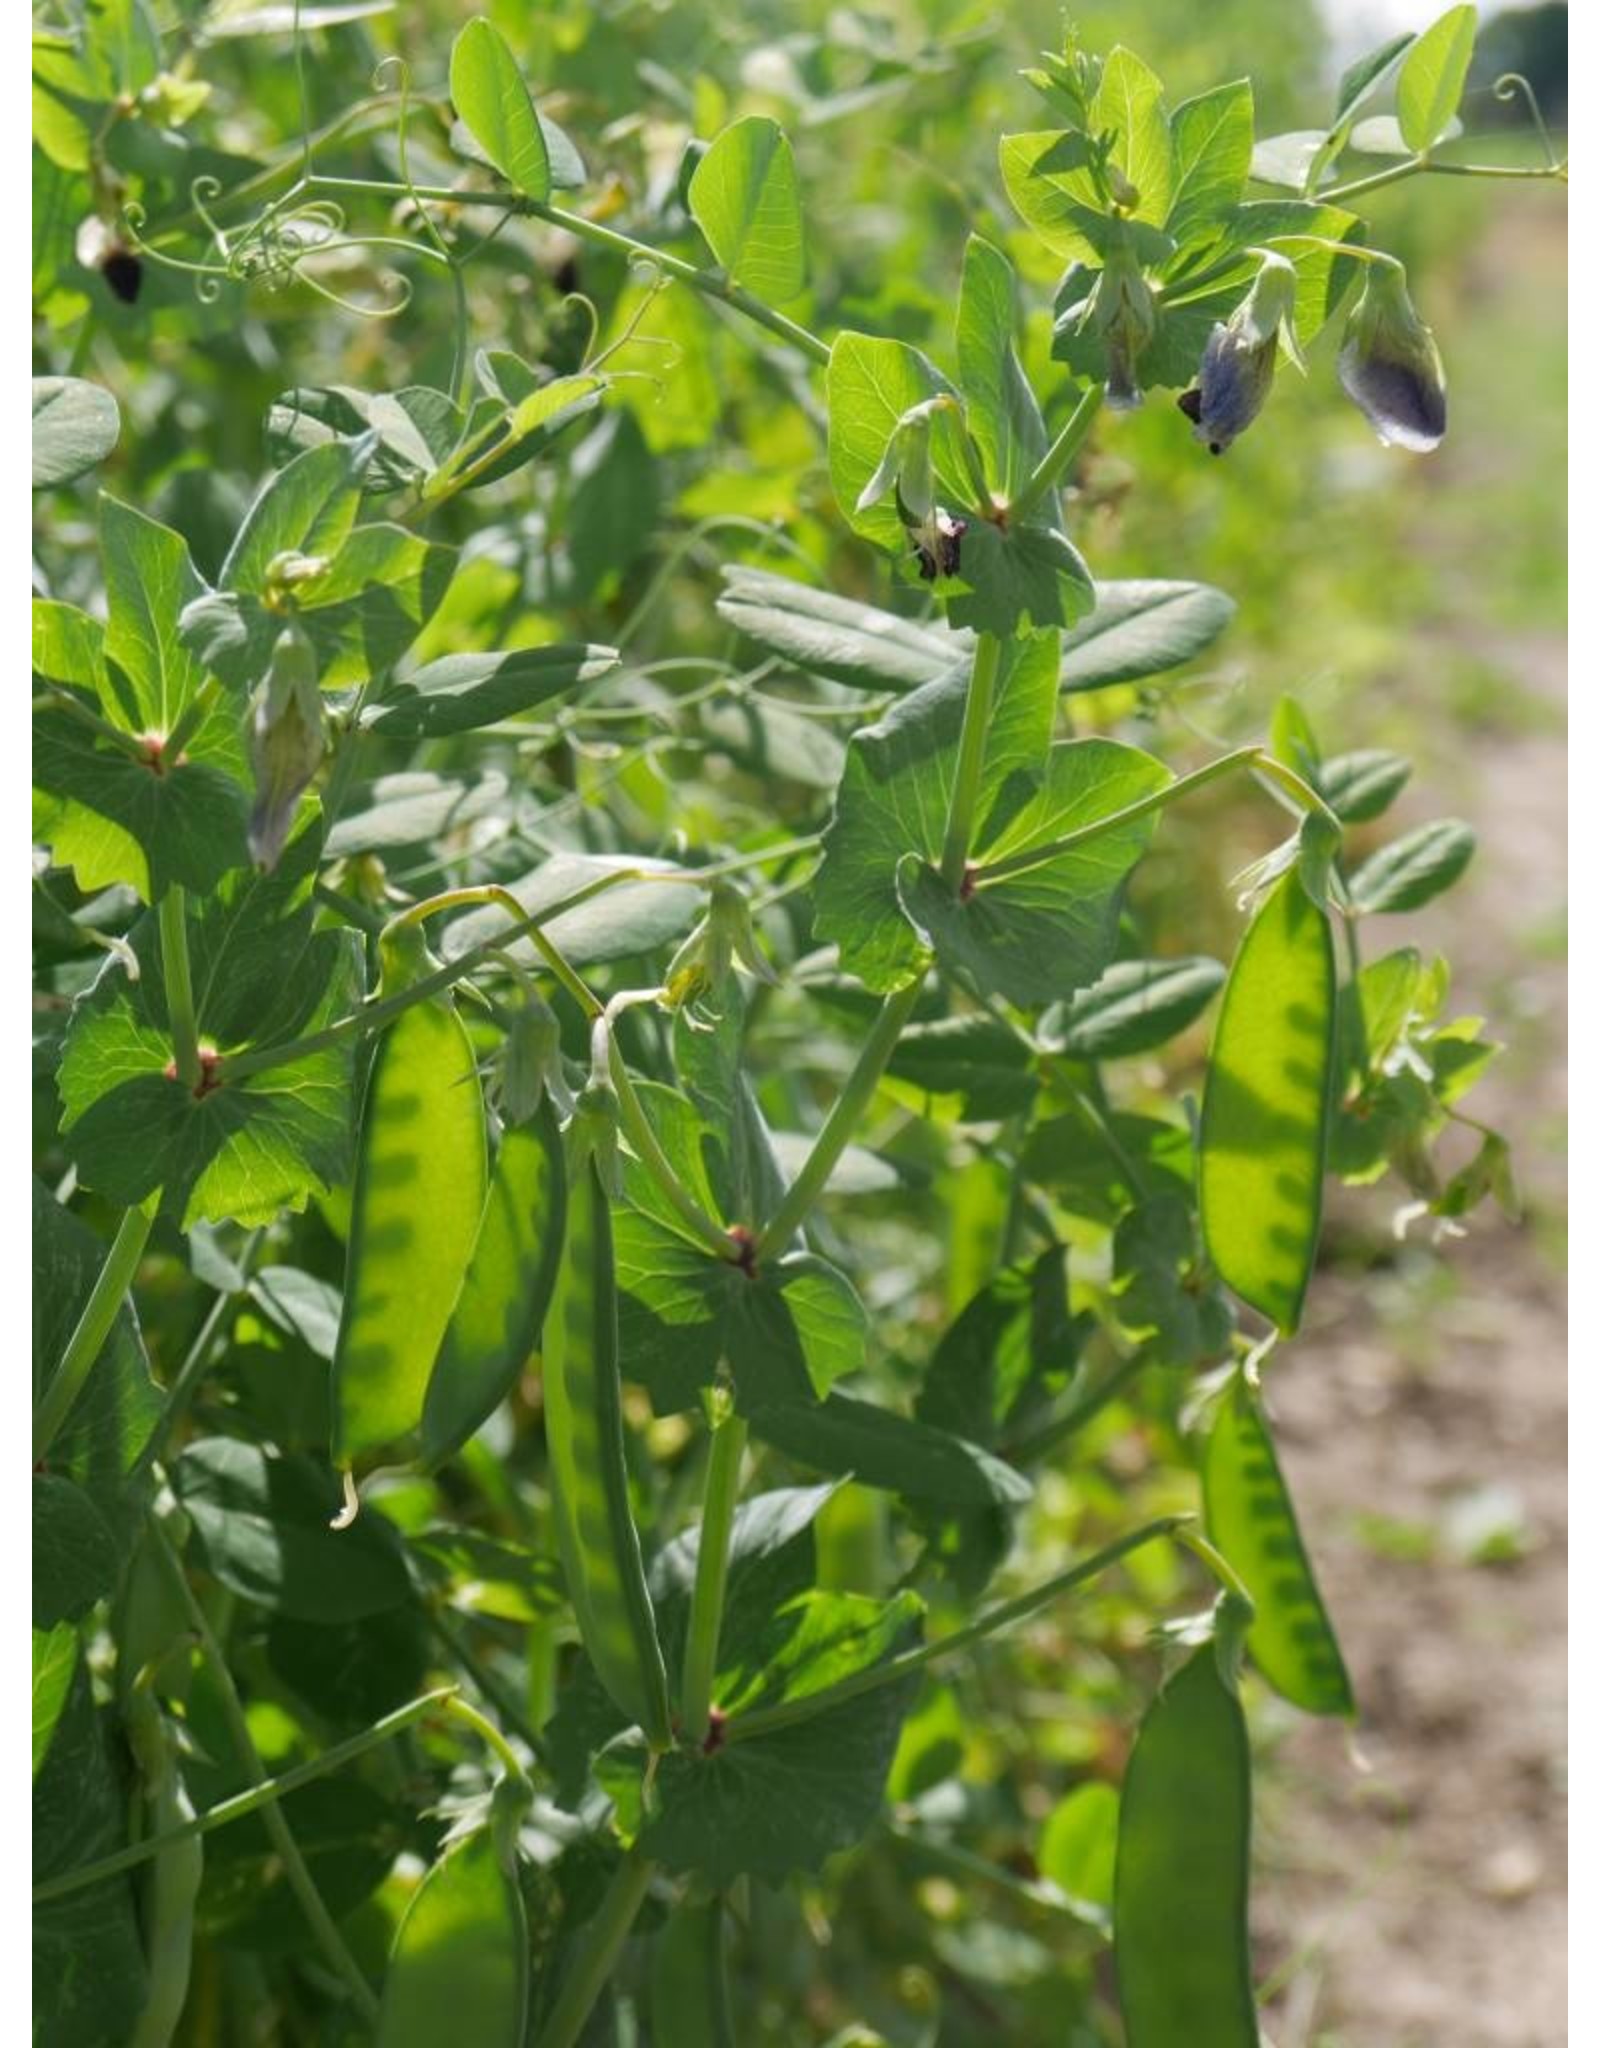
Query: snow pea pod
{"points": [[419, 1193], [1181, 1891], [1264, 1123], [459, 1968], [500, 1311], [172, 1883], [1250, 1518], [595, 1529], [688, 1980]]}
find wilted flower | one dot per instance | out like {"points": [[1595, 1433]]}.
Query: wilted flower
{"points": [[1240, 357], [286, 742], [1389, 364], [907, 470]]}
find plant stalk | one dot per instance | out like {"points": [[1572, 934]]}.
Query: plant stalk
{"points": [[839, 1127], [1057, 458], [93, 1327], [172, 921], [242, 1803], [767, 1720], [299, 1878], [595, 1960], [728, 1438], [962, 821]]}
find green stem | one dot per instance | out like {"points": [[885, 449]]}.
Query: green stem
{"points": [[191, 718], [489, 892], [189, 1374], [840, 1124], [710, 283], [728, 1438], [54, 698], [1337, 194], [299, 1878], [596, 1958], [640, 1133], [1256, 758], [93, 1327], [483, 1677], [488, 1733], [1218, 1566], [1040, 1442], [172, 921], [766, 1720], [962, 821], [266, 1793], [1057, 458], [374, 1016]]}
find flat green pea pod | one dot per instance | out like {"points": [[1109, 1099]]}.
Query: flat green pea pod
{"points": [[1250, 1518], [419, 1193], [688, 1980], [459, 1968], [499, 1314], [583, 1432], [1181, 1934], [172, 1883], [1264, 1124]]}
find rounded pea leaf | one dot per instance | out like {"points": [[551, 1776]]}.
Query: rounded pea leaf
{"points": [[75, 425], [493, 100], [1251, 1520], [1362, 785], [76, 1558], [261, 1527], [746, 198], [1412, 870], [1264, 1123]]}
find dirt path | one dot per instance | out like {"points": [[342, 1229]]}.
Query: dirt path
{"points": [[1422, 1419]]}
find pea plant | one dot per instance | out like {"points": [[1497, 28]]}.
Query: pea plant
{"points": [[645, 1162]]}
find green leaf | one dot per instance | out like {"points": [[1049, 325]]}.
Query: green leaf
{"points": [[240, 1150], [76, 1559], [1010, 1350], [1428, 90], [633, 917], [1163, 1294], [1211, 146], [871, 382], [111, 1420], [1362, 785], [89, 1970], [360, 614], [876, 1447], [1078, 1848], [746, 199], [115, 814], [1287, 159], [1002, 412], [1060, 203], [75, 425], [1135, 1006], [416, 427], [856, 644], [55, 1658], [1031, 937], [770, 741], [785, 1802], [1411, 871], [1367, 73], [1129, 101], [460, 692], [413, 809], [980, 1059], [308, 508], [261, 1527], [1016, 579], [493, 100]]}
